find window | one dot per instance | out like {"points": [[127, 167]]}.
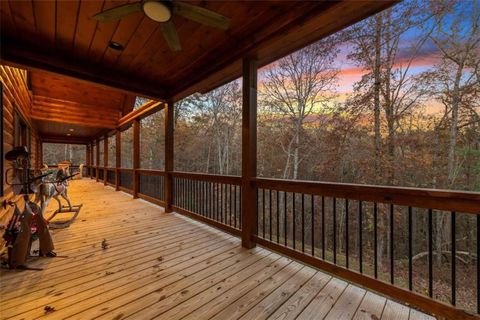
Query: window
{"points": [[21, 131]]}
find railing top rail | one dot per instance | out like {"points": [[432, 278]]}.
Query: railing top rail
{"points": [[208, 177], [154, 172], [449, 200]]}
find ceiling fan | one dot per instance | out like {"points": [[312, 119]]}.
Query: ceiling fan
{"points": [[162, 11]]}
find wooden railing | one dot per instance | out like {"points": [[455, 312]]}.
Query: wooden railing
{"points": [[125, 179], [212, 199], [151, 185], [338, 228], [110, 176]]}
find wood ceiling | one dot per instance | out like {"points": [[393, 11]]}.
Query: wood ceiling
{"points": [[65, 108], [74, 73]]}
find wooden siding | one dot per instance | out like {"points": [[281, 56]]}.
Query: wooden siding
{"points": [[16, 97]]}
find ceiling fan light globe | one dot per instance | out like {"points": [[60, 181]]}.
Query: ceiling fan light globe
{"points": [[157, 11]]}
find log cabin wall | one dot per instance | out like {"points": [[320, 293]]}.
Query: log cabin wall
{"points": [[16, 99]]}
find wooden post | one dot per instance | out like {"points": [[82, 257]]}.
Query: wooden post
{"points": [[92, 160], [118, 159], [87, 158], [169, 119], [249, 152], [105, 159], [136, 156], [97, 156], [40, 151]]}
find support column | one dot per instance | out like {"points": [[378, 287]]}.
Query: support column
{"points": [[118, 159], [249, 152], [87, 158], [105, 159], [92, 160], [40, 151], [168, 180], [97, 157], [136, 156]]}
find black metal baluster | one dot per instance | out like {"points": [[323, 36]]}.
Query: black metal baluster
{"points": [[258, 209], [209, 211], [454, 263], [270, 210], [217, 199], [392, 254], [204, 198], [184, 197], [312, 238], [410, 250], [334, 230], [285, 216], [303, 222], [346, 234], [189, 200], [263, 213], [478, 263], [375, 240], [222, 210], [230, 197], [235, 205], [323, 227], [225, 201], [222, 203], [278, 217], [294, 218], [430, 254], [240, 208], [360, 236]]}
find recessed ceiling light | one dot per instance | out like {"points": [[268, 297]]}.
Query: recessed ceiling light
{"points": [[71, 130], [68, 134], [115, 46]]}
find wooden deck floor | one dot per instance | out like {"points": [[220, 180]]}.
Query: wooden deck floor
{"points": [[166, 266]]}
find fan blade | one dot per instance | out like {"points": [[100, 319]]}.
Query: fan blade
{"points": [[170, 34], [118, 12], [201, 15]]}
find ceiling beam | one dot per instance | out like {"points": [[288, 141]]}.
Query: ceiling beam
{"points": [[63, 139], [33, 58]]}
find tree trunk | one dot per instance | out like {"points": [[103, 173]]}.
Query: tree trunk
{"points": [[376, 106], [454, 126]]}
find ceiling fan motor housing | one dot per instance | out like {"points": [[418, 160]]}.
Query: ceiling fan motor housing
{"points": [[158, 11]]}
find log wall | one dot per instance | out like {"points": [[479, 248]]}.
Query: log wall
{"points": [[16, 97]]}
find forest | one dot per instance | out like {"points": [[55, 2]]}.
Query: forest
{"points": [[393, 100]]}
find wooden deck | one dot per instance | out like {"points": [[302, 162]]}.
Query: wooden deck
{"points": [[166, 266]]}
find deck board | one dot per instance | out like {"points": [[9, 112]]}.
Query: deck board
{"points": [[167, 266]]}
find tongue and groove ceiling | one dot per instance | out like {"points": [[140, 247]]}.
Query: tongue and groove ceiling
{"points": [[60, 38]]}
